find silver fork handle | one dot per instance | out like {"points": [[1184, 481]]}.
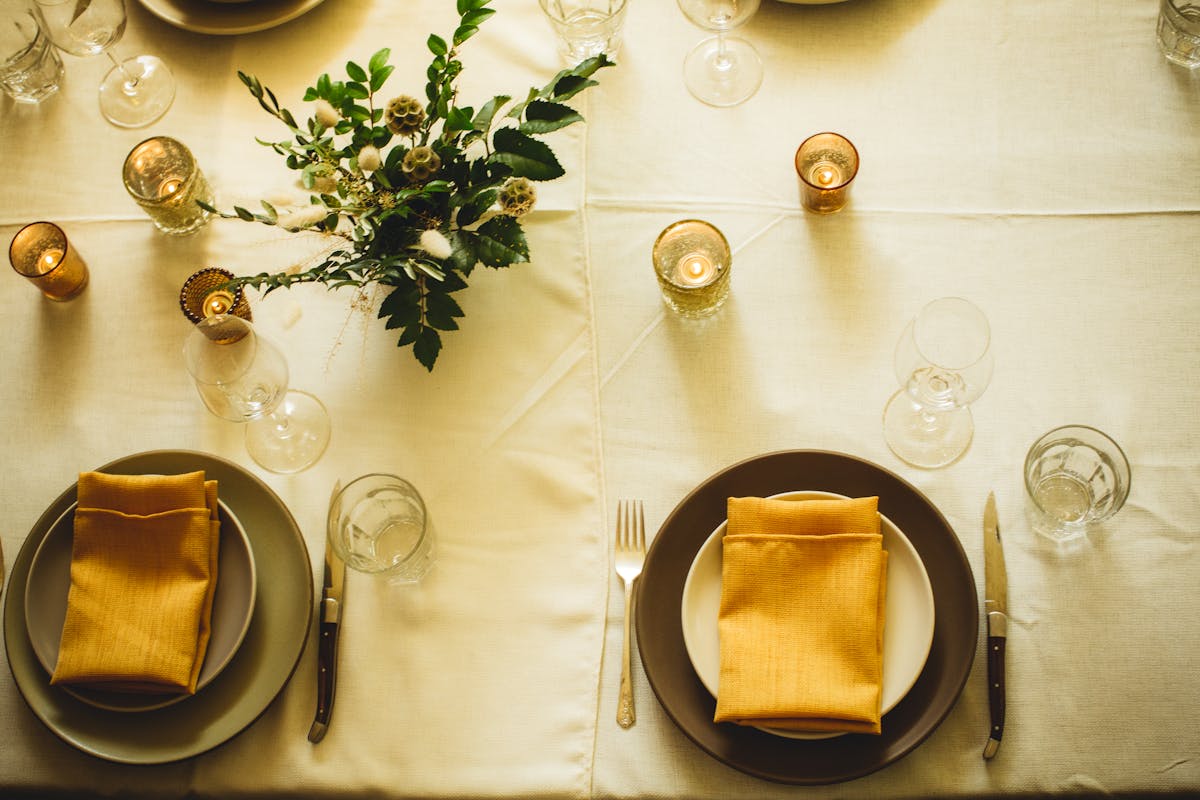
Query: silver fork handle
{"points": [[625, 713]]}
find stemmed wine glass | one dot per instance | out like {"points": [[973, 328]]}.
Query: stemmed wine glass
{"points": [[243, 378], [136, 91], [943, 361], [720, 70]]}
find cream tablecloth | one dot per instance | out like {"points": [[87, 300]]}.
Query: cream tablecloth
{"points": [[1039, 158]]}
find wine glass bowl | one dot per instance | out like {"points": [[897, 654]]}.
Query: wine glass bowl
{"points": [[943, 363], [136, 91], [242, 377], [721, 71]]}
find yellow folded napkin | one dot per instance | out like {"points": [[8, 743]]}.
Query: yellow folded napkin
{"points": [[801, 615], [143, 576]]}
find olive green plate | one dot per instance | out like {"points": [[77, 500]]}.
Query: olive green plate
{"points": [[263, 664]]}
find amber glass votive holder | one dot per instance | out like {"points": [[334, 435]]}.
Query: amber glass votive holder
{"points": [[41, 253], [206, 294], [826, 164], [162, 177]]}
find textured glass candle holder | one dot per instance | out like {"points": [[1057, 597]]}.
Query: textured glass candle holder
{"points": [[1179, 32], [692, 263], [162, 176], [204, 295], [826, 164], [41, 253]]}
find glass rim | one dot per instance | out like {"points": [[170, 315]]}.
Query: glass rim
{"points": [[142, 199], [1123, 463], [987, 331], [681, 222], [841, 138], [332, 528], [59, 232]]}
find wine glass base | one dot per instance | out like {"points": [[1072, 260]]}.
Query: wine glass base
{"points": [[292, 437], [723, 76], [135, 104], [924, 438]]}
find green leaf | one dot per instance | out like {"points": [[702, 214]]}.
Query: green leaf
{"points": [[477, 16], [357, 91], [356, 72], [426, 347], [483, 120], [528, 157], [243, 213], [463, 33], [459, 120], [543, 117], [570, 85], [437, 45], [500, 241], [379, 59], [379, 76]]}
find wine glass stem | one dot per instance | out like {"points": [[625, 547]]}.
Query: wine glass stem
{"points": [[131, 81], [721, 62]]}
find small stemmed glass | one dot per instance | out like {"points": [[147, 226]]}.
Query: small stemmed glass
{"points": [[720, 70], [943, 362], [243, 378], [136, 91]]}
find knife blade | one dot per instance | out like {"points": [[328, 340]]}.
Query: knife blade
{"points": [[995, 605], [331, 620]]}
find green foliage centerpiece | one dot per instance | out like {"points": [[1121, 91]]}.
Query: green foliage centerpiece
{"points": [[421, 191]]}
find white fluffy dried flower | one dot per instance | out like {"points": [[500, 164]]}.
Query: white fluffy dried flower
{"points": [[436, 244], [369, 159], [303, 217], [326, 114]]}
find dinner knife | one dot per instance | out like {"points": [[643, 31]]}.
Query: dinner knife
{"points": [[995, 604], [331, 619]]}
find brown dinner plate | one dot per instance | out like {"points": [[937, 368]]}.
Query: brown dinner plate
{"points": [[691, 706]]}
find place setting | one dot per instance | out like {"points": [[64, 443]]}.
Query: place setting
{"points": [[149, 637]]}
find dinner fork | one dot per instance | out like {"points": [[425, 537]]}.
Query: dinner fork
{"points": [[629, 555]]}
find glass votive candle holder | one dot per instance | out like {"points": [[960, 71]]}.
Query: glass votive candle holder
{"points": [[1075, 476], [41, 253], [162, 176], [692, 263], [826, 164], [205, 294]]}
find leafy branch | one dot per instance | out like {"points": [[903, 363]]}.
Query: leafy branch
{"points": [[421, 191]]}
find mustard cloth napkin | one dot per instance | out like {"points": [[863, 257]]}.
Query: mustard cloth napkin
{"points": [[802, 614], [143, 577]]}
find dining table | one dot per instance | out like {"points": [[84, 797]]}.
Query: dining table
{"points": [[1038, 157]]}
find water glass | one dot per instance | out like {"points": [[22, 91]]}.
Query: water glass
{"points": [[30, 68], [378, 524], [162, 176], [41, 253], [1075, 476], [586, 28], [826, 164], [1179, 32]]}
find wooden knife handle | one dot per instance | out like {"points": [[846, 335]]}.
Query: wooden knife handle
{"points": [[995, 677], [326, 679]]}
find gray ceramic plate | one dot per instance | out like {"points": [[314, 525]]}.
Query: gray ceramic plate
{"points": [[259, 670], [46, 609]]}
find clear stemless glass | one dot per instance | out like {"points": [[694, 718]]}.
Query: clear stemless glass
{"points": [[943, 362], [721, 71], [243, 378], [136, 91]]}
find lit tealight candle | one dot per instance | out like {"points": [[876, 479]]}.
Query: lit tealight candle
{"points": [[826, 175], [169, 187], [219, 302], [695, 269], [49, 259]]}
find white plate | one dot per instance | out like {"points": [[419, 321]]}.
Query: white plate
{"points": [[907, 630], [227, 19], [46, 609]]}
